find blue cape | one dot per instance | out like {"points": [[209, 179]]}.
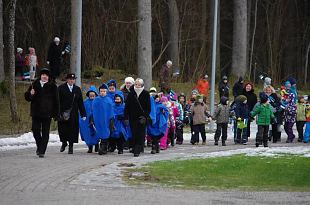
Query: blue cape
{"points": [[153, 110], [120, 127], [103, 113], [159, 128], [87, 130]]}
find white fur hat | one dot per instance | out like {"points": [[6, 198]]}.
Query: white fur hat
{"points": [[169, 62], [56, 39], [19, 50], [130, 80]]}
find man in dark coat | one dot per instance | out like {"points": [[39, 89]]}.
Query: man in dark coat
{"points": [[70, 97], [44, 105], [238, 87], [224, 87], [248, 92], [137, 111], [165, 76], [54, 57]]}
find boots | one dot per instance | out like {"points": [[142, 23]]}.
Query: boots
{"points": [[63, 147], [103, 147], [223, 143], [153, 149], [96, 147], [90, 149], [70, 150]]}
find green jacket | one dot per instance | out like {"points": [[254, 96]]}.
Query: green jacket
{"points": [[264, 113], [301, 112]]}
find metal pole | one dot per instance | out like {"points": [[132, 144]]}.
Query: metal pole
{"points": [[76, 39], [214, 56]]}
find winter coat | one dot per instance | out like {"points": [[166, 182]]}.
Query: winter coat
{"points": [[19, 60], [241, 110], [224, 89], [164, 75], [160, 125], [54, 54], [222, 113], [44, 103], [264, 112], [301, 112], [199, 113], [69, 130], [203, 87], [132, 108], [251, 98], [290, 113], [237, 89]]}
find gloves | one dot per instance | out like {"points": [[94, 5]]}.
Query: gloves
{"points": [[111, 125], [83, 118]]}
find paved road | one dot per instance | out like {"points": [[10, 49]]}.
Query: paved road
{"points": [[60, 178]]}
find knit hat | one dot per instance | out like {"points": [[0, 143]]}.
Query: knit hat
{"points": [[169, 62], [195, 92], [241, 98], [112, 83], [130, 79], [153, 90], [292, 80], [263, 97], [267, 81], [199, 97], [240, 79], [205, 76], [19, 50], [287, 83], [45, 71], [224, 100], [224, 77], [56, 39], [103, 86]]}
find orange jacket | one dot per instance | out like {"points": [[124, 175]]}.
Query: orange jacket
{"points": [[203, 87]]}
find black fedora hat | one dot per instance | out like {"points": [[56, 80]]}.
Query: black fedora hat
{"points": [[70, 76]]}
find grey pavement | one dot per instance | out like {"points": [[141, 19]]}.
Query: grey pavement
{"points": [[60, 178]]}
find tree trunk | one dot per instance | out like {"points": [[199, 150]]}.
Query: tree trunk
{"points": [[11, 30], [76, 37], [239, 53], [252, 41], [144, 42], [306, 65], [2, 74], [173, 48]]}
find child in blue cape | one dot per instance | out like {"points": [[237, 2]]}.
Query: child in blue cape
{"points": [[159, 126], [87, 127], [103, 118], [112, 89], [122, 130]]}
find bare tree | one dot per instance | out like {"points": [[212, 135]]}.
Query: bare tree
{"points": [[11, 30], [239, 55], [173, 48], [2, 74], [144, 42]]}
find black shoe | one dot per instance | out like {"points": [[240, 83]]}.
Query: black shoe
{"points": [[120, 152], [90, 150], [41, 155], [216, 143], [153, 149], [265, 145], [136, 155], [223, 144], [37, 152], [257, 144], [70, 150], [63, 147], [299, 140], [96, 147]]}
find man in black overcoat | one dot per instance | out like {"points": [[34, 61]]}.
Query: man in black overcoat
{"points": [[137, 111], [44, 106], [70, 96]]}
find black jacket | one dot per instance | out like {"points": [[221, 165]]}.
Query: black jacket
{"points": [[44, 103], [54, 54], [237, 89], [251, 98], [69, 130], [224, 89], [132, 108]]}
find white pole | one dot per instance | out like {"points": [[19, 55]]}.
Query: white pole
{"points": [[214, 41], [76, 39]]}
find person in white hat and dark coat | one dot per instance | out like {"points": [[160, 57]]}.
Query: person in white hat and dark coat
{"points": [[54, 57], [70, 98], [44, 106]]}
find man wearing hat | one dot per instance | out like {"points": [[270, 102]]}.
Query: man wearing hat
{"points": [[54, 57], [71, 101], [44, 106]]}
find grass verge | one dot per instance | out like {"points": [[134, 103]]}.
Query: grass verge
{"points": [[286, 173]]}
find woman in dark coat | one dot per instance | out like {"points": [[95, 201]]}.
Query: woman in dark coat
{"points": [[70, 96], [248, 92], [238, 87], [44, 105], [137, 111]]}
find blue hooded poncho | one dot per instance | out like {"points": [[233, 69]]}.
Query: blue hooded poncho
{"points": [[160, 125], [110, 94], [87, 128], [120, 127], [103, 114]]}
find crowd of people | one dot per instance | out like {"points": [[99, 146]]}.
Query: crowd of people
{"points": [[130, 117]]}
